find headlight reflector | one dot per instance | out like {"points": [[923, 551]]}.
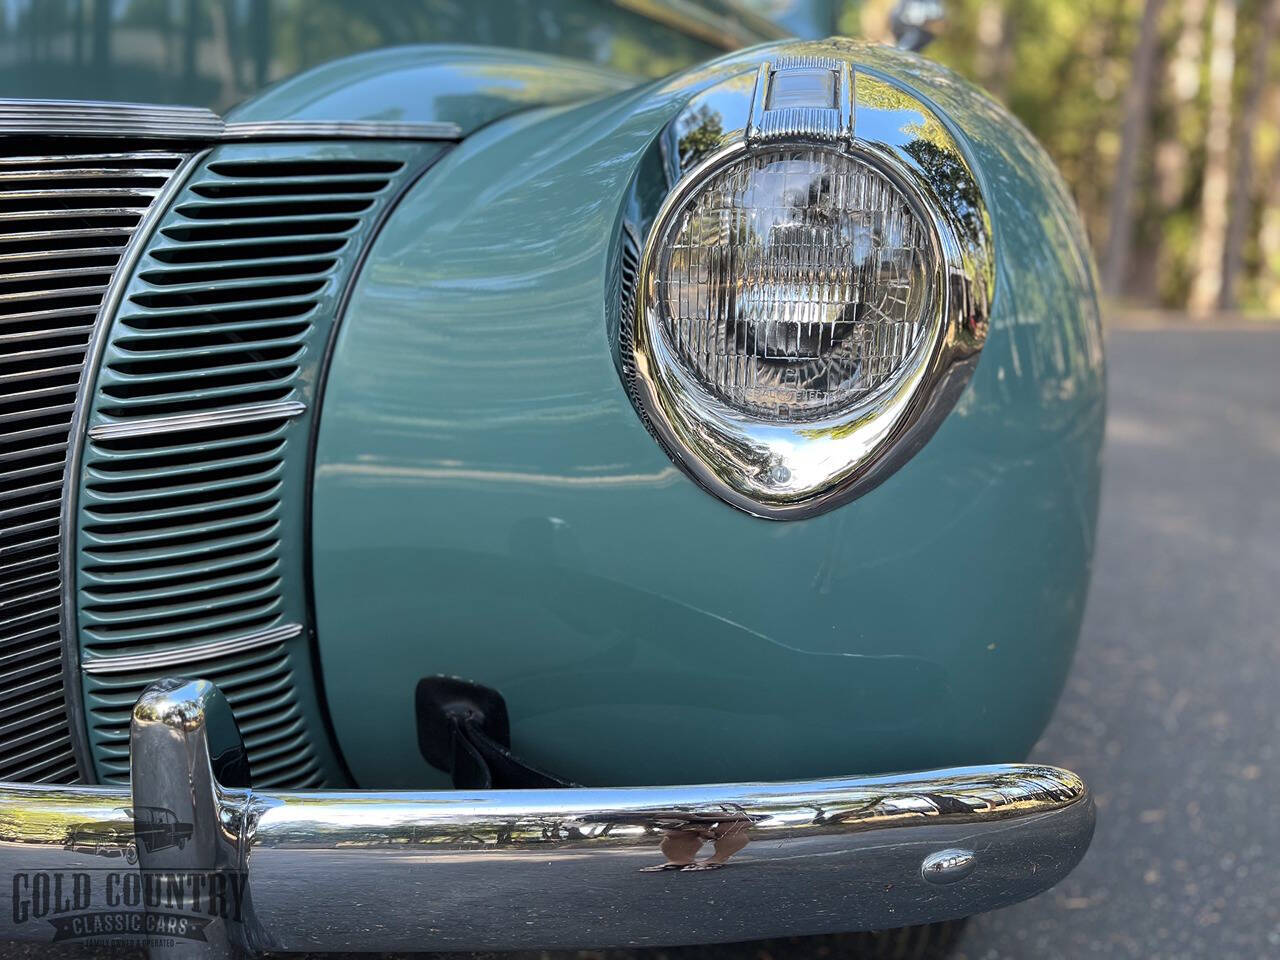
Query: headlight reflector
{"points": [[794, 283]]}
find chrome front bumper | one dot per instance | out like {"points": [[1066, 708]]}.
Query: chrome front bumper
{"points": [[219, 867]]}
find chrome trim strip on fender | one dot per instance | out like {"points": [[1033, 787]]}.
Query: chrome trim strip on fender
{"points": [[157, 659], [343, 130], [552, 869], [245, 413]]}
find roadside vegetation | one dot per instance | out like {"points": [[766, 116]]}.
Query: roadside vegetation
{"points": [[1164, 117]]}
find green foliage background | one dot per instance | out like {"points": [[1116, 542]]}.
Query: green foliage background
{"points": [[1063, 68]]}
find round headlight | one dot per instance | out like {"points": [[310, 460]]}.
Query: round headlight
{"points": [[813, 290], [794, 283]]}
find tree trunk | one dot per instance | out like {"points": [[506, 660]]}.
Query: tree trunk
{"points": [[1242, 176], [874, 20], [1269, 233], [1184, 70], [1153, 264], [1207, 283], [1172, 155], [1137, 118], [995, 47], [260, 41], [227, 50]]}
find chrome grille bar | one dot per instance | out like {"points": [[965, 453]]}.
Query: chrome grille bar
{"points": [[123, 121], [177, 423], [65, 223], [120, 121], [169, 658]]}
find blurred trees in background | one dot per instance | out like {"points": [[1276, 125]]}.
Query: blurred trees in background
{"points": [[1164, 116]]}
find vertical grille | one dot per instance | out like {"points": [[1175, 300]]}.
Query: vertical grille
{"points": [[193, 493], [629, 294], [258, 684], [64, 222], [629, 277]]}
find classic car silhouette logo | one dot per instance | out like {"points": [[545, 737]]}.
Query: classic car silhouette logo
{"points": [[103, 840], [159, 828], [156, 828]]}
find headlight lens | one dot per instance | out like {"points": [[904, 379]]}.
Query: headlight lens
{"points": [[794, 283]]}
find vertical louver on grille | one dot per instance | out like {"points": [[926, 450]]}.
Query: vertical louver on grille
{"points": [[192, 499], [628, 278], [64, 223], [260, 684]]}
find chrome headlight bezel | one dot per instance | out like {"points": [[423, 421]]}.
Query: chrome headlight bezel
{"points": [[782, 469]]}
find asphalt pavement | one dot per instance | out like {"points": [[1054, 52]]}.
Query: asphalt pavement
{"points": [[1172, 711]]}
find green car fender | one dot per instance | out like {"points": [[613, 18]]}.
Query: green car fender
{"points": [[487, 504], [468, 86]]}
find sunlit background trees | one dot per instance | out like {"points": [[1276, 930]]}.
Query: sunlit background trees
{"points": [[1164, 116]]}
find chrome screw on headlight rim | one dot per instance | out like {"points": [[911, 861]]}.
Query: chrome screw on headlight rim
{"points": [[814, 290]]}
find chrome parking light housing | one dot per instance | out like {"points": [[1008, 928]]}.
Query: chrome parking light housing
{"points": [[787, 383]]}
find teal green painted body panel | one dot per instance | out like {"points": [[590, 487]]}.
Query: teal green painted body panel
{"points": [[469, 86], [487, 503], [218, 54], [197, 536]]}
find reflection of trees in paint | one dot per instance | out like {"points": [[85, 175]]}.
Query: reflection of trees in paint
{"points": [[217, 52], [950, 180], [705, 134]]}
